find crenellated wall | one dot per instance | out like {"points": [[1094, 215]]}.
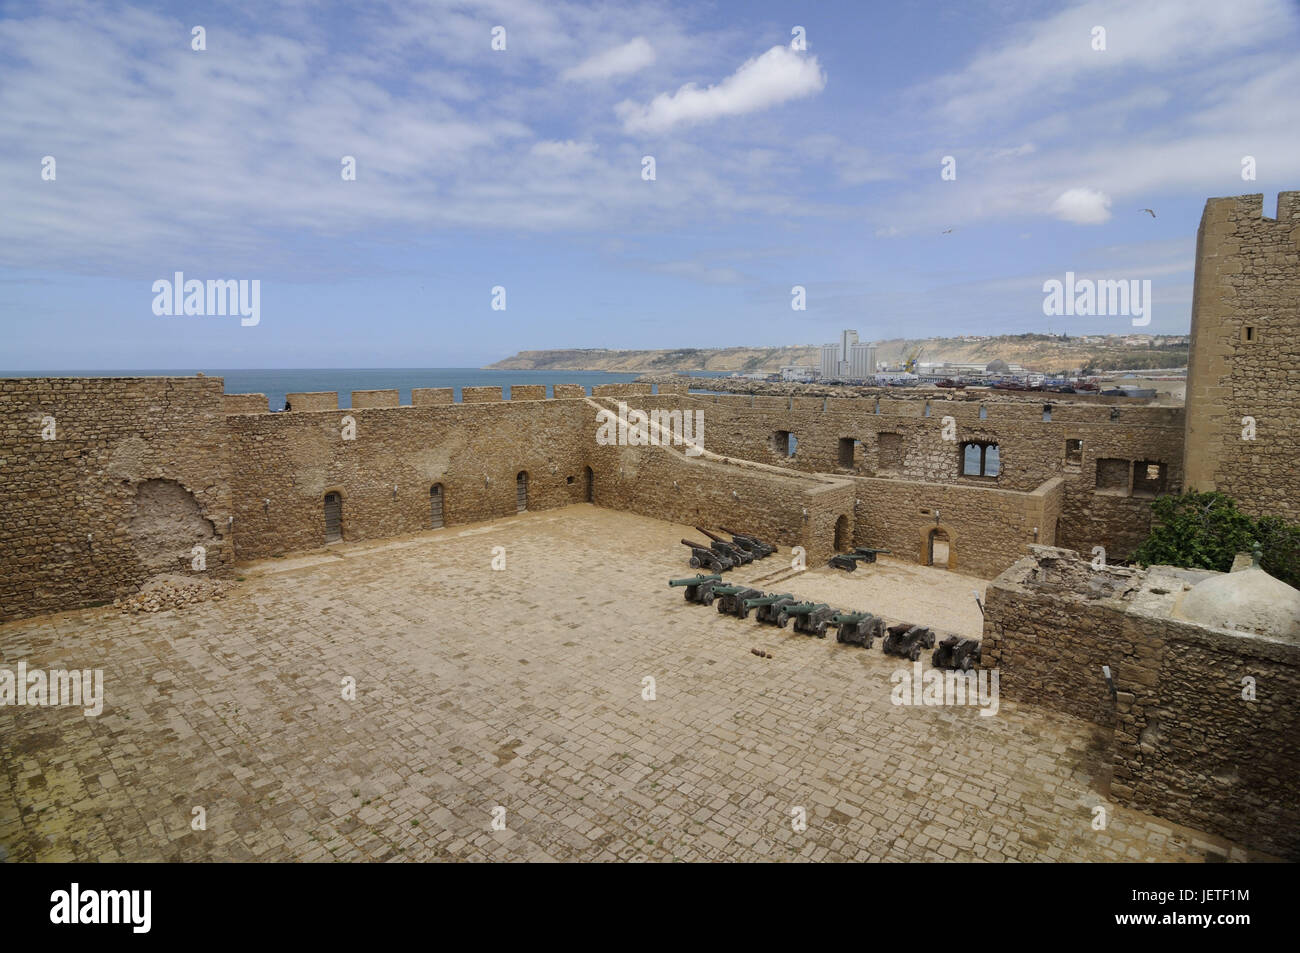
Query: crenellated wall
{"points": [[384, 462], [271, 471], [1243, 378]]}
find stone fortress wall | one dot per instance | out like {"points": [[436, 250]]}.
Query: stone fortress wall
{"points": [[1245, 355], [107, 482], [883, 471], [136, 475], [248, 483], [1205, 725]]}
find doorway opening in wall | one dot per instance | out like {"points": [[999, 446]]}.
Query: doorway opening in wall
{"points": [[589, 485], [938, 549], [842, 535], [521, 491], [847, 446], [435, 506], [333, 518]]}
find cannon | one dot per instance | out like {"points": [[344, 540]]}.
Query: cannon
{"points": [[770, 606], [868, 554], [810, 618], [749, 539], [849, 561], [703, 556], [907, 640], [737, 554], [698, 588], [858, 628], [845, 561], [957, 653], [731, 599]]}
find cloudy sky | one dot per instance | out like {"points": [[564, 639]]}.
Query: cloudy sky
{"points": [[523, 168]]}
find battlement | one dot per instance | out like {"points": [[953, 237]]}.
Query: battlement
{"points": [[1250, 209], [1241, 375], [317, 401]]}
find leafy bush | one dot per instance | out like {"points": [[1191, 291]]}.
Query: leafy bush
{"points": [[1206, 531]]}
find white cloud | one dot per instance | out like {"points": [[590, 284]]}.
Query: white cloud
{"points": [[1045, 58], [775, 77], [566, 151], [1082, 206], [621, 60]]}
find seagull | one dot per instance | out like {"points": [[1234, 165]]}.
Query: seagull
{"points": [[948, 230], [1152, 213]]}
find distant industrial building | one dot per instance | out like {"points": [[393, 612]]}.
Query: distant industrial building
{"points": [[830, 365], [848, 358], [862, 361]]}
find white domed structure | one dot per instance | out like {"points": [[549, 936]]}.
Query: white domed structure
{"points": [[1245, 600]]}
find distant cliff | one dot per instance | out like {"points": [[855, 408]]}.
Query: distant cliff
{"points": [[1035, 351]]}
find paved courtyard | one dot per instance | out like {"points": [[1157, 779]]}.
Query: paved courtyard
{"points": [[521, 689]]}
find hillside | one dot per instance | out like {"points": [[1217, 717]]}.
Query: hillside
{"points": [[1040, 352]]}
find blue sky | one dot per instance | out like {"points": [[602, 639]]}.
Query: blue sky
{"points": [[523, 168]]}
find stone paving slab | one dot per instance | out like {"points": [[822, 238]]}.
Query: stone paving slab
{"points": [[522, 689]]}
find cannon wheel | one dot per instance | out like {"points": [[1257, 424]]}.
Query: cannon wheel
{"points": [[966, 663], [722, 604], [782, 620], [742, 613], [929, 640], [915, 653], [695, 562], [707, 598]]}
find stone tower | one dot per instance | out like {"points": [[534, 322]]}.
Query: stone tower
{"points": [[1244, 366]]}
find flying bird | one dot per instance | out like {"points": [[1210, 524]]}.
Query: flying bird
{"points": [[1149, 211], [948, 230]]}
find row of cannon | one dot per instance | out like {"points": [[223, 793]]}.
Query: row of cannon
{"points": [[719, 555], [813, 618]]}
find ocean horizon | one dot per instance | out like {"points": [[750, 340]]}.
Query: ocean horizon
{"points": [[275, 383]]}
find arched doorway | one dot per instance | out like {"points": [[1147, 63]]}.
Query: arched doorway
{"points": [[842, 541], [589, 485], [333, 518], [521, 491], [938, 549], [435, 506]]}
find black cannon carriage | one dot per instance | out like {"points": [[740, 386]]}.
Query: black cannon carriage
{"points": [[907, 640], [731, 599], [955, 652], [769, 606], [698, 588], [858, 628], [810, 618], [849, 561], [704, 557], [751, 542], [736, 553]]}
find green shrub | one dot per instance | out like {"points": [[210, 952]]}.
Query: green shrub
{"points": [[1206, 531]]}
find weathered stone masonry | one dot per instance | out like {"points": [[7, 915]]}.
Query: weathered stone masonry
{"points": [[1245, 355], [1186, 743]]}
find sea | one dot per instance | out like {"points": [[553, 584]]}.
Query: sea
{"points": [[276, 383]]}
